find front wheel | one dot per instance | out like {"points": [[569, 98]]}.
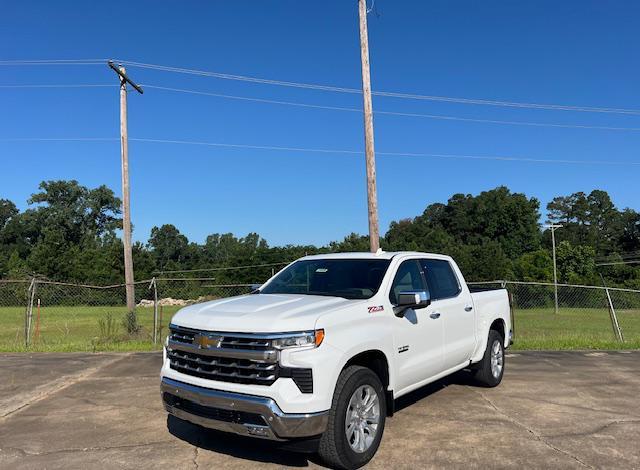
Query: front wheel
{"points": [[356, 419], [491, 368]]}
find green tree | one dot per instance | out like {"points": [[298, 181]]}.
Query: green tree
{"points": [[591, 220], [534, 266], [576, 263], [67, 220], [169, 246]]}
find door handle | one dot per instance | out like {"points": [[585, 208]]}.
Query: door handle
{"points": [[435, 315], [468, 308]]}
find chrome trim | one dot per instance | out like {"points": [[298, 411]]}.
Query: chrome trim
{"points": [[281, 426], [243, 335], [268, 355]]}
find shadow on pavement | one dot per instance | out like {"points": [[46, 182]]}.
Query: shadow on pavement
{"points": [[459, 378], [259, 450], [237, 446]]}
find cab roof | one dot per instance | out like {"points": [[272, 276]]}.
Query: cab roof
{"points": [[368, 255]]}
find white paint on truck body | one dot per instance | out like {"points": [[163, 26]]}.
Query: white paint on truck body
{"points": [[420, 347]]}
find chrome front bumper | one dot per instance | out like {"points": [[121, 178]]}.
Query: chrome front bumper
{"points": [[247, 415]]}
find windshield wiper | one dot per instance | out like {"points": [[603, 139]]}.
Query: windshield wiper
{"points": [[329, 294]]}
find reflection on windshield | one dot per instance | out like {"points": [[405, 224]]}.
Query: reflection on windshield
{"points": [[347, 278]]}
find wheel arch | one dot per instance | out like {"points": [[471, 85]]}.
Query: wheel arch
{"points": [[377, 361], [495, 323], [499, 325]]}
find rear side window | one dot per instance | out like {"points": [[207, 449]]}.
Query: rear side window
{"points": [[441, 279], [408, 278]]}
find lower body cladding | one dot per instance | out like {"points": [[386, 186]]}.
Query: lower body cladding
{"points": [[247, 415]]}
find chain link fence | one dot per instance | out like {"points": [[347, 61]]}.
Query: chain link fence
{"points": [[41, 315], [563, 316]]}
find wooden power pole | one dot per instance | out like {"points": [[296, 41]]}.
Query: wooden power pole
{"points": [[372, 193], [126, 205]]}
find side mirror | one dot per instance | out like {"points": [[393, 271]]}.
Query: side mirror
{"points": [[412, 299]]}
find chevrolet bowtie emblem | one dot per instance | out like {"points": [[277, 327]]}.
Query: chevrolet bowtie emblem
{"points": [[207, 341]]}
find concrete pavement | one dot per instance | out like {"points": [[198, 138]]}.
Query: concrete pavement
{"points": [[553, 410]]}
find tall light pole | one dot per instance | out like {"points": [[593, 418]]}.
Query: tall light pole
{"points": [[126, 206], [372, 194], [553, 228]]}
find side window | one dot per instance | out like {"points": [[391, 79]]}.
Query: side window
{"points": [[441, 279], [407, 278]]}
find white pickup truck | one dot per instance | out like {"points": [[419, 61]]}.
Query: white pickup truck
{"points": [[320, 352]]}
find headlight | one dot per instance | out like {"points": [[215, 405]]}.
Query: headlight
{"points": [[305, 339]]}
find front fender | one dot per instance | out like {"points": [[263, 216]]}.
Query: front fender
{"points": [[359, 336]]}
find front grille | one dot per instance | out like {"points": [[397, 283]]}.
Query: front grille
{"points": [[231, 357], [219, 414], [225, 369], [239, 358]]}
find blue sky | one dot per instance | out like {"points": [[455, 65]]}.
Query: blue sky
{"points": [[581, 53]]}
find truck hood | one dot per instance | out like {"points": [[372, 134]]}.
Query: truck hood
{"points": [[259, 313]]}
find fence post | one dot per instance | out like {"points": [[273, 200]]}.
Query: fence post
{"points": [[154, 285], [617, 332], [31, 293]]}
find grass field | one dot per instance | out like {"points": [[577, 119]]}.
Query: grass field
{"points": [[78, 329], [574, 329]]}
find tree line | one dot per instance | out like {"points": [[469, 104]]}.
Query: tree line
{"points": [[70, 232]]}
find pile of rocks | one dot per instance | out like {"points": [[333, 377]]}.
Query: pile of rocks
{"points": [[166, 302]]}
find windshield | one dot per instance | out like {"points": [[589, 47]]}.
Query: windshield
{"points": [[348, 278]]}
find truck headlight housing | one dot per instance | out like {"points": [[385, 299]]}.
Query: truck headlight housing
{"points": [[303, 339]]}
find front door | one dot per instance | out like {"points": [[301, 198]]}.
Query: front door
{"points": [[418, 334]]}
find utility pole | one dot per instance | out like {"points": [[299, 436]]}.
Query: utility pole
{"points": [[553, 228], [372, 195], [126, 205]]}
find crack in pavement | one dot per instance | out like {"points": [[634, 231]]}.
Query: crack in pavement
{"points": [[195, 457], [46, 390], [567, 405], [596, 430], [84, 449], [535, 434]]}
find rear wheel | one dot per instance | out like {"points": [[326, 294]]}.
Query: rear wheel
{"points": [[356, 420], [491, 368]]}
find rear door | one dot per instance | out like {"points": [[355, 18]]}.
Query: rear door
{"points": [[454, 304], [418, 336]]}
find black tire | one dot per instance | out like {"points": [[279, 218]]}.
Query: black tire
{"points": [[483, 374], [335, 449]]}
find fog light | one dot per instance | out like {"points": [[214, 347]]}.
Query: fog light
{"points": [[258, 431]]}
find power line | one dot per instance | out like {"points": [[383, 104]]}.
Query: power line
{"points": [[225, 268], [311, 86], [80, 85], [394, 154], [61, 85], [60, 139], [618, 262], [617, 256], [327, 151], [337, 108], [390, 113], [18, 62]]}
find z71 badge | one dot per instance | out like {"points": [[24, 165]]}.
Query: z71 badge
{"points": [[379, 308]]}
